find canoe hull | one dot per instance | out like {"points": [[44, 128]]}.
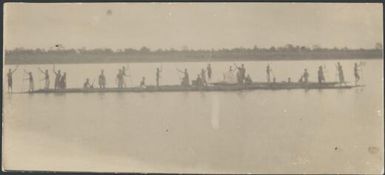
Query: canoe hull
{"points": [[211, 87]]}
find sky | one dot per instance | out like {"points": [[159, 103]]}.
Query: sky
{"points": [[191, 25]]}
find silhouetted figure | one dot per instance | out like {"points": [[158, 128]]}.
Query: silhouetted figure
{"points": [[157, 76], [87, 84], [239, 79], [209, 71], [10, 78], [46, 78], [340, 73], [305, 77], [268, 71], [92, 84], [124, 75], [185, 79], [199, 81], [242, 71], [120, 78], [57, 78], [241, 74], [248, 80], [63, 81], [102, 80], [356, 74], [229, 76], [321, 77], [30, 80], [143, 82], [203, 77]]}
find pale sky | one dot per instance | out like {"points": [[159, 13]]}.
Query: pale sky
{"points": [[195, 25]]}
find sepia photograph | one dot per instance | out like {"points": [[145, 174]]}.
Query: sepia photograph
{"points": [[208, 88]]}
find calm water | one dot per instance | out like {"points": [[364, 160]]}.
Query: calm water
{"points": [[286, 131]]}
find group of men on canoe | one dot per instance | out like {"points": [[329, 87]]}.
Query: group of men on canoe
{"points": [[340, 73], [232, 76], [60, 79]]}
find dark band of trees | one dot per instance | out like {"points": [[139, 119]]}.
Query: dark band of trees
{"points": [[59, 54]]}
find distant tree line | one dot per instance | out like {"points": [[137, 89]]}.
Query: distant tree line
{"points": [[144, 54]]}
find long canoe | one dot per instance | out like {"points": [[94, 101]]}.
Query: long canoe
{"points": [[219, 86]]}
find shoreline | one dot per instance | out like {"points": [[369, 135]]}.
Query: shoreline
{"points": [[181, 60]]}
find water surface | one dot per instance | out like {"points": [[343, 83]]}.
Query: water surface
{"points": [[264, 131]]}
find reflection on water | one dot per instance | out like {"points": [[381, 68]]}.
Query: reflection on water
{"points": [[101, 96], [215, 112], [235, 132]]}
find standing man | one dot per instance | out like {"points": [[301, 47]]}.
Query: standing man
{"points": [[157, 76], [209, 71], [268, 70], [356, 74], [46, 78], [185, 79], [63, 81], [305, 77], [241, 74], [143, 82], [30, 80], [57, 78], [120, 78], [203, 77], [124, 75], [229, 76], [9, 76], [340, 73], [102, 80], [321, 77]]}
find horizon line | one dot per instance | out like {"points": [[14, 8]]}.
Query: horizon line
{"points": [[59, 47]]}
